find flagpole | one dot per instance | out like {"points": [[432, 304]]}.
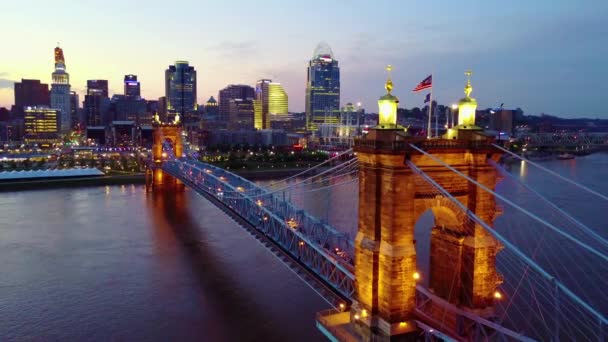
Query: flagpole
{"points": [[428, 133]]}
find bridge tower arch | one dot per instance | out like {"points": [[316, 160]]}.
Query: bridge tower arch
{"points": [[392, 197], [164, 135]]}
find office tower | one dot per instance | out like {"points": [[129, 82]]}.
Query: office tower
{"points": [[132, 86], [60, 92], [271, 102], [162, 108], [41, 120], [97, 87], [232, 92], [241, 114], [212, 109], [127, 108], [75, 109], [322, 88], [180, 90], [96, 103], [29, 93]]}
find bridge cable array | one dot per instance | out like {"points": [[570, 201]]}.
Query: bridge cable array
{"points": [[599, 319], [539, 296]]}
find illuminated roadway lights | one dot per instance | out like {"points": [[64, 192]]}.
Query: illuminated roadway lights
{"points": [[387, 105], [416, 276], [497, 295]]}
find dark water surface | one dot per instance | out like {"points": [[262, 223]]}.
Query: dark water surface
{"points": [[116, 263]]}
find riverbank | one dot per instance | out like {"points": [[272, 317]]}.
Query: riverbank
{"points": [[37, 184], [265, 174], [138, 178]]}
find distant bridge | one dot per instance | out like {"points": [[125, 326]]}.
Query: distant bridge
{"points": [[571, 141]]}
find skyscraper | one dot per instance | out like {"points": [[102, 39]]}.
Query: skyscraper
{"points": [[96, 103], [233, 92], [241, 114], [75, 109], [29, 93], [322, 88], [271, 100], [180, 90], [60, 92], [97, 87], [132, 87]]}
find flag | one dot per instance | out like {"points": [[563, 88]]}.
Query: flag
{"points": [[425, 84], [427, 98]]}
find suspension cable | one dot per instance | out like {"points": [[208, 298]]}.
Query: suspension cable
{"points": [[508, 244], [602, 196], [525, 211], [553, 205]]}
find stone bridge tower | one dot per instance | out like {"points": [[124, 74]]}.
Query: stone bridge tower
{"points": [[392, 197], [164, 135]]}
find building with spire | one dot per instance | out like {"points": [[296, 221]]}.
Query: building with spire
{"points": [[60, 92], [322, 88]]}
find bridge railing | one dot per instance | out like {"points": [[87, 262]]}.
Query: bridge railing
{"points": [[309, 241], [325, 235]]}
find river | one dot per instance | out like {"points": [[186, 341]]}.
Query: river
{"points": [[117, 263]]}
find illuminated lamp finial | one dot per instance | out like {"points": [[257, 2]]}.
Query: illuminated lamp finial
{"points": [[467, 106], [468, 88], [389, 83], [387, 105]]}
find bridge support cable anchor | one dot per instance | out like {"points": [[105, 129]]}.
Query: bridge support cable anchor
{"points": [[602, 196], [511, 246], [514, 205], [553, 205]]}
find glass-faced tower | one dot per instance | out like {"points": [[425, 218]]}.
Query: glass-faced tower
{"points": [[180, 90], [60, 92], [322, 88]]}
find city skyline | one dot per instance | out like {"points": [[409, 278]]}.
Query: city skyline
{"points": [[517, 57]]}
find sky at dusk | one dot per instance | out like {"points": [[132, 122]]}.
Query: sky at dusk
{"points": [[545, 56]]}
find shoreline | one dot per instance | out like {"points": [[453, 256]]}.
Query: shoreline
{"points": [[139, 178]]}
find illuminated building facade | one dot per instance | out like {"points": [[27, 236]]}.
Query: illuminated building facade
{"points": [[233, 92], [60, 92], [180, 90], [270, 101], [322, 88], [40, 121], [132, 86], [30, 93]]}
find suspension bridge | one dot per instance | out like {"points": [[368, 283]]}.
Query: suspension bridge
{"points": [[500, 269]]}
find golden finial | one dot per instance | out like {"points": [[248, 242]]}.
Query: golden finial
{"points": [[389, 84], [468, 88]]}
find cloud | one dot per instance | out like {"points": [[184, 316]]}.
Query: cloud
{"points": [[6, 83], [231, 49]]}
